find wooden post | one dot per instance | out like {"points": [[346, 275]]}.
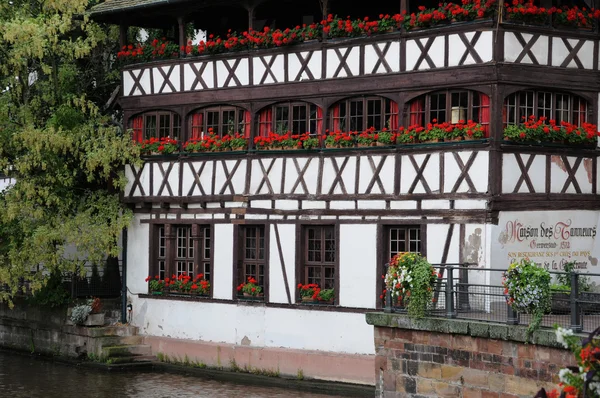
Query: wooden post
{"points": [[122, 35], [403, 6], [325, 12], [182, 38], [250, 9]]}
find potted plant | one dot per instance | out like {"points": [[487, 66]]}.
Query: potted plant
{"points": [[326, 296], [525, 12], [409, 135], [527, 290], [309, 141], [574, 17], [309, 292], [250, 288], [367, 138], [155, 285], [433, 133], [88, 313], [338, 139], [386, 137], [410, 279], [238, 142]]}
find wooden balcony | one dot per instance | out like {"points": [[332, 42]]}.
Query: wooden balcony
{"points": [[454, 55]]}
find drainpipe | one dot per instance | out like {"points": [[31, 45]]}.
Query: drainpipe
{"points": [[124, 278]]}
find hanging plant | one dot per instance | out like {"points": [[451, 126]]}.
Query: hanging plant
{"points": [[527, 288], [410, 279]]}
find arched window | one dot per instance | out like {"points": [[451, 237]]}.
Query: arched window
{"points": [[297, 117], [222, 119], [560, 107], [156, 124], [361, 113], [450, 106]]}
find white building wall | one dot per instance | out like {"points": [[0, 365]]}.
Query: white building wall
{"points": [[358, 265], [223, 261], [287, 234]]}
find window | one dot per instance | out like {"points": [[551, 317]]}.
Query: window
{"points": [[402, 239], [397, 239], [560, 107], [359, 114], [450, 106], [319, 257], [294, 117], [252, 260], [156, 125], [181, 250], [221, 119]]}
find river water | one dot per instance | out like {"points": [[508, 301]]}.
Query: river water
{"points": [[28, 377]]}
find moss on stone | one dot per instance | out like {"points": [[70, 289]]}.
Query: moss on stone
{"points": [[479, 329]]}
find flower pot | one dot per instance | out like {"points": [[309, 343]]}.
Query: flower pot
{"points": [[239, 148], [436, 140], [383, 144], [157, 293], [366, 145], [332, 146], [455, 139], [467, 138], [308, 299]]}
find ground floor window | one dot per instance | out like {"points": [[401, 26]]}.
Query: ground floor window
{"points": [[251, 282], [179, 251], [319, 261]]}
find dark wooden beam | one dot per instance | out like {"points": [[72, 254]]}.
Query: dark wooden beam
{"points": [[182, 37], [122, 34], [403, 6]]}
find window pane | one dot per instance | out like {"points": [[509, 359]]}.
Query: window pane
{"points": [[206, 234], [579, 111], [459, 106], [544, 107], [164, 125], [313, 275], [510, 116], [329, 245], [299, 119], [397, 241], [329, 282], [176, 128], [525, 105], [228, 122], [150, 126], [282, 119], [356, 115], [438, 108], [212, 121], [374, 112], [563, 105]]}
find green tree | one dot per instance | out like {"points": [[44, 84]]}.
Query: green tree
{"points": [[58, 141]]}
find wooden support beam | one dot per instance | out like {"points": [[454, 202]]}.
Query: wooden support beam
{"points": [[182, 37], [403, 6], [250, 10], [122, 34]]}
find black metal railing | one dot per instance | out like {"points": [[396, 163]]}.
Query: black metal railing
{"points": [[466, 291]]}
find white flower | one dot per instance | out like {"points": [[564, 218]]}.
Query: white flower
{"points": [[595, 387], [562, 374], [561, 333]]}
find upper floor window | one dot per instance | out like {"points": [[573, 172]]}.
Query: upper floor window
{"points": [[221, 119], [359, 114], [450, 106], [560, 107], [294, 117], [156, 124]]}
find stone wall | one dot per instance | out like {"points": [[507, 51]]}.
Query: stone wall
{"points": [[454, 358]]}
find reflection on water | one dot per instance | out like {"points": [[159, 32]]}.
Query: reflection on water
{"points": [[26, 377]]}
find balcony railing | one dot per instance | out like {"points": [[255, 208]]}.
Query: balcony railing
{"points": [[467, 292]]}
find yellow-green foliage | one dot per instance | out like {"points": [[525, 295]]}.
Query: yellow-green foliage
{"points": [[65, 151]]}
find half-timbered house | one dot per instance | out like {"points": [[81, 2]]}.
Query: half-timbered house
{"points": [[334, 216]]}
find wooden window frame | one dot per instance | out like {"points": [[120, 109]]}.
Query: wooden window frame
{"points": [[290, 117], [385, 113], [572, 99], [302, 254], [199, 241], [241, 124], [448, 110], [383, 233], [173, 117], [239, 259]]}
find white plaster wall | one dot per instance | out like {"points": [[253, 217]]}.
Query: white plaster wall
{"points": [[436, 240], [358, 265], [223, 261], [138, 236], [287, 234], [258, 326]]}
